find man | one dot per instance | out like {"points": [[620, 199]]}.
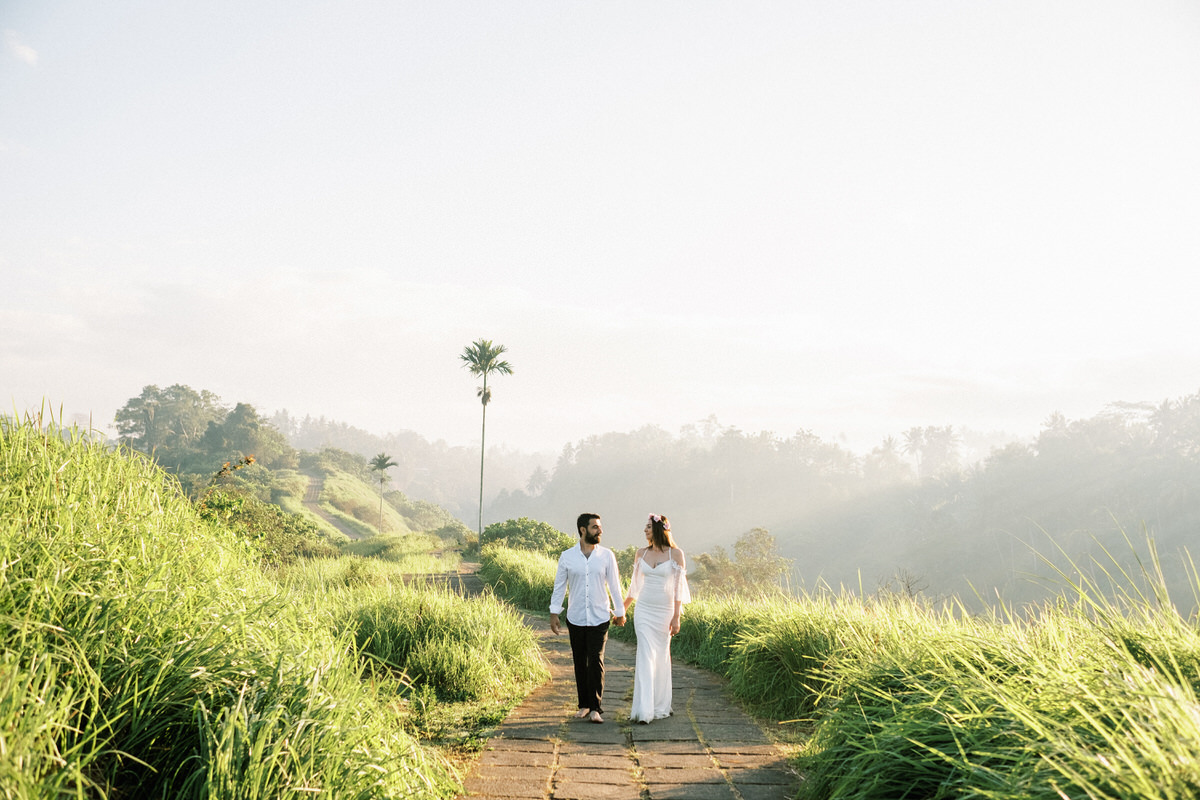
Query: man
{"points": [[585, 572]]}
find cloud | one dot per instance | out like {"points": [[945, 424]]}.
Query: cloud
{"points": [[20, 50]]}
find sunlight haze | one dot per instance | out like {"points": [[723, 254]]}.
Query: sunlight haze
{"points": [[844, 217]]}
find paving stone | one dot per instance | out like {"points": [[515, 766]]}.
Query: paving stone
{"points": [[488, 785], [516, 758], [675, 761], [691, 791], [743, 748], [774, 776], [683, 775], [772, 760], [732, 733], [521, 745], [767, 792], [593, 748], [595, 760], [640, 734], [590, 775], [680, 748], [597, 791], [596, 734]]}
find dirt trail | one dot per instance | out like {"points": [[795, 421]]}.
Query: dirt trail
{"points": [[709, 750], [312, 502]]}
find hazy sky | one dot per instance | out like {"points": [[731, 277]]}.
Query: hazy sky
{"points": [[846, 217]]}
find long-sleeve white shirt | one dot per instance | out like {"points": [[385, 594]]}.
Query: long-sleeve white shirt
{"points": [[585, 578]]}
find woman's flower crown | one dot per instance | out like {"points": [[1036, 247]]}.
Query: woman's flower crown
{"points": [[660, 518]]}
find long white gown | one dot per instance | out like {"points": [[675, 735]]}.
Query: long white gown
{"points": [[655, 589]]}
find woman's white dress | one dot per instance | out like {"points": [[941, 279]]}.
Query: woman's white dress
{"points": [[655, 589]]}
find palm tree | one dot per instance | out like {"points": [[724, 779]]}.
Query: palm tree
{"points": [[381, 464], [482, 358]]}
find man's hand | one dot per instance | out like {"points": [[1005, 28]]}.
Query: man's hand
{"points": [[554, 624], [620, 621]]}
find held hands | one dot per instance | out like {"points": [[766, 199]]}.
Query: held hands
{"points": [[620, 621]]}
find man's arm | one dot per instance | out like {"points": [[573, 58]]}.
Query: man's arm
{"points": [[614, 587], [560, 592]]}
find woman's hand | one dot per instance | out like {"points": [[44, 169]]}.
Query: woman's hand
{"points": [[674, 625]]}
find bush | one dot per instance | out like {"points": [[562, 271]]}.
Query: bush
{"points": [[465, 650], [522, 578], [528, 534]]}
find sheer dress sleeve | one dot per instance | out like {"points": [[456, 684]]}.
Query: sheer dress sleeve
{"points": [[682, 593], [635, 580]]}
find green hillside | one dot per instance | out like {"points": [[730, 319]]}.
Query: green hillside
{"points": [[161, 646]]}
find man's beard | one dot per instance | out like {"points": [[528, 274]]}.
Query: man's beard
{"points": [[591, 538]]}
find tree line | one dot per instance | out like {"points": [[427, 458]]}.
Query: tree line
{"points": [[912, 512]]}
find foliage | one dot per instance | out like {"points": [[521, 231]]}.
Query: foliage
{"points": [[186, 431], [755, 567], [329, 460], [412, 552], [522, 577], [146, 655], [463, 650], [277, 536], [528, 534]]}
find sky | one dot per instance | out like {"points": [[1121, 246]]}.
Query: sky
{"points": [[843, 217]]}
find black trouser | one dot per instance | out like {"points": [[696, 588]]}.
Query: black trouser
{"points": [[587, 651]]}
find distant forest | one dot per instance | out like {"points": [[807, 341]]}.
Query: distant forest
{"points": [[910, 516], [920, 513]]}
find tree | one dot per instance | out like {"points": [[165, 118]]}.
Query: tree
{"points": [[168, 424], [244, 432], [381, 464], [537, 481], [482, 358]]}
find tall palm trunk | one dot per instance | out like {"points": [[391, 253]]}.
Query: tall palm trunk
{"points": [[482, 451]]}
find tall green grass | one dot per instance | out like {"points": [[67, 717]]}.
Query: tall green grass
{"points": [[145, 655], [411, 553], [522, 577], [461, 649]]}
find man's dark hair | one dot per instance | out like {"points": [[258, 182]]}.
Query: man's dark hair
{"points": [[583, 521]]}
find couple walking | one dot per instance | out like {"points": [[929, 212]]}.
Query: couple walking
{"points": [[588, 574]]}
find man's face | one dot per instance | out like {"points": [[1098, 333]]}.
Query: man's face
{"points": [[592, 533]]}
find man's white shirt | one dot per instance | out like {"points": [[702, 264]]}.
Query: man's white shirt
{"points": [[584, 579]]}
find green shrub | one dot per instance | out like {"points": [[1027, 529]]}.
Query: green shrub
{"points": [[521, 577], [528, 534], [463, 649]]}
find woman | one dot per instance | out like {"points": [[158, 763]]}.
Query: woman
{"points": [[660, 586]]}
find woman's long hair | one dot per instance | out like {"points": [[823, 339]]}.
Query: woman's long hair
{"points": [[660, 532]]}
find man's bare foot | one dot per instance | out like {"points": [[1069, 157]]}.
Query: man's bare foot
{"points": [[595, 717], [581, 713]]}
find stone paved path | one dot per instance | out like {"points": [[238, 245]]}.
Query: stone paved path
{"points": [[709, 749]]}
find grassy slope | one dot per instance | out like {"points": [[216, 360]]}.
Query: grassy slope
{"points": [[145, 654]]}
